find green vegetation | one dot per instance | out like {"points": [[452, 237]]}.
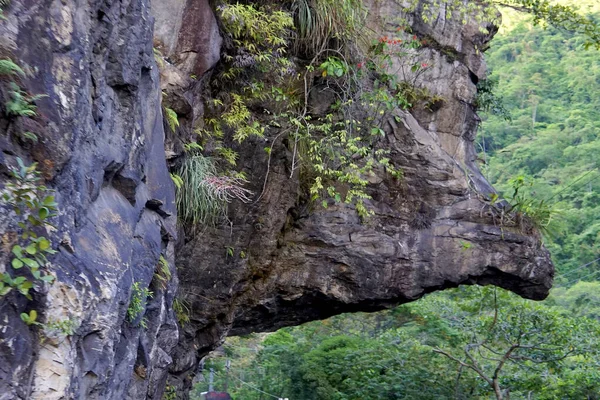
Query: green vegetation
{"points": [[30, 318], [334, 152], [16, 102], [8, 67], [540, 147], [170, 393], [21, 104], [549, 86], [468, 343], [182, 311], [171, 117], [162, 273], [198, 202], [137, 304], [319, 22], [3, 4], [65, 327], [33, 206]]}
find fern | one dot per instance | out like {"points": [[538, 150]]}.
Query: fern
{"points": [[162, 272], [21, 104], [172, 119], [177, 181], [8, 67]]}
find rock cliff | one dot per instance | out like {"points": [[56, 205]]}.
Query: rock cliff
{"points": [[103, 147]]}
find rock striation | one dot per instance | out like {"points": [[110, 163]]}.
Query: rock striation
{"points": [[104, 149]]}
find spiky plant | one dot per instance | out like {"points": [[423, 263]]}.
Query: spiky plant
{"points": [[197, 202], [318, 22]]}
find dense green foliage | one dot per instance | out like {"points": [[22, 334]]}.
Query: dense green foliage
{"points": [[33, 207], [550, 88], [416, 352]]}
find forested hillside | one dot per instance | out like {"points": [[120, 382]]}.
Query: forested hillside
{"points": [[472, 342], [549, 87]]}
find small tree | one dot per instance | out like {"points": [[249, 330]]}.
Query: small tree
{"points": [[513, 338]]}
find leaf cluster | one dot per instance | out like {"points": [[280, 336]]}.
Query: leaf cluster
{"points": [[137, 303], [34, 206]]}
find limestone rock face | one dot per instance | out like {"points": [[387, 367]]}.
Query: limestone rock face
{"points": [[103, 148]]}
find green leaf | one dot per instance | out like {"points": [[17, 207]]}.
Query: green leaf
{"points": [[30, 318], [17, 251], [19, 280], [27, 285], [16, 263], [30, 263], [43, 213], [31, 249], [44, 244], [47, 278], [49, 201]]}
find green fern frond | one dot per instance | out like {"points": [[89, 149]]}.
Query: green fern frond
{"points": [[177, 181], [163, 272], [8, 67], [172, 119]]}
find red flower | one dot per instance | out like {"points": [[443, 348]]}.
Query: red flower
{"points": [[359, 65], [424, 65]]}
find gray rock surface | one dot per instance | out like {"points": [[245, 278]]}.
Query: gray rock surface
{"points": [[102, 147]]}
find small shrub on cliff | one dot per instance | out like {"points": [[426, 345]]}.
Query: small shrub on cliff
{"points": [[137, 303], [21, 104], [162, 272], [540, 214], [34, 206], [182, 311]]}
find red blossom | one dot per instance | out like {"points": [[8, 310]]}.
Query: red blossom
{"points": [[424, 65]]}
